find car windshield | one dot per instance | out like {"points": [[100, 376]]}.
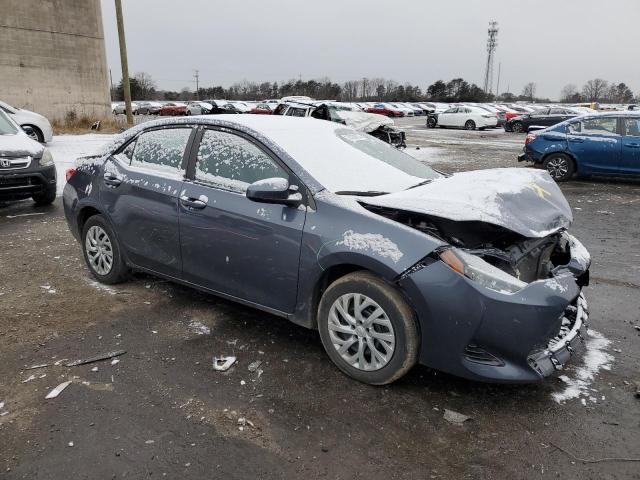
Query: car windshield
{"points": [[7, 127], [348, 161]]}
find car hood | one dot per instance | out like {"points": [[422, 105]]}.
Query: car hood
{"points": [[363, 121], [19, 145], [523, 200]]}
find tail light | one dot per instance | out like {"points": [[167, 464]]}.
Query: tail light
{"points": [[70, 173], [530, 138]]}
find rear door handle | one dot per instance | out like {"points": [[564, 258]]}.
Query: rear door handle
{"points": [[112, 180], [576, 140], [193, 203], [632, 145]]}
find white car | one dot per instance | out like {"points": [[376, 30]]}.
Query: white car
{"points": [[198, 108], [467, 117], [242, 106], [41, 130], [119, 109]]}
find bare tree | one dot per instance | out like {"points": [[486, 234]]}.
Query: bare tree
{"points": [[146, 85], [595, 89], [529, 91], [569, 94]]}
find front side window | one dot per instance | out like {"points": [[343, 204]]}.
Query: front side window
{"points": [[296, 112], [632, 127], [596, 126], [231, 162], [161, 150], [451, 110]]}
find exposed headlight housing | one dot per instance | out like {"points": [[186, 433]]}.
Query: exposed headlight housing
{"points": [[481, 272], [47, 158]]}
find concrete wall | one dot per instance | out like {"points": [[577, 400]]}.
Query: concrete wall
{"points": [[52, 57]]}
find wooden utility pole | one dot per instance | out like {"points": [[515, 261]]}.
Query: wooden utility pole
{"points": [[197, 77], [125, 64]]}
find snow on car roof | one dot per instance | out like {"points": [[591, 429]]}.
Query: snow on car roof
{"points": [[332, 160]]}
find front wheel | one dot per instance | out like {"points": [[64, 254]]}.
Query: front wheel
{"points": [[368, 329], [470, 125], [102, 252], [517, 127], [431, 122], [45, 198], [560, 167]]}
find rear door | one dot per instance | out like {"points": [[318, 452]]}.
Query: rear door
{"points": [[229, 243], [596, 144], [630, 155], [140, 190]]}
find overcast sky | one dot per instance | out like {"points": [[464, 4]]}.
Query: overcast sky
{"points": [[550, 42]]}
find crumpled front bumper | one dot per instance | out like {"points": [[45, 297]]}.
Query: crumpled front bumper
{"points": [[561, 347], [477, 333]]}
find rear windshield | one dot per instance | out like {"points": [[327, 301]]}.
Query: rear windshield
{"points": [[7, 127]]}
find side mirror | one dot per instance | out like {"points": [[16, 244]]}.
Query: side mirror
{"points": [[274, 190], [28, 130]]}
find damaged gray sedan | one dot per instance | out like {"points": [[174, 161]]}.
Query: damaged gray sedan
{"points": [[392, 262]]}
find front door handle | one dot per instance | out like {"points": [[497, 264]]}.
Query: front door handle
{"points": [[632, 145], [193, 203], [576, 140], [112, 180]]}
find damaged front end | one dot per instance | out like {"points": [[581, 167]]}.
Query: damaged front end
{"points": [[495, 304]]}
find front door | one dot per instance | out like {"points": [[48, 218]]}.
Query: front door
{"points": [[596, 143], [630, 158], [229, 243], [140, 192]]}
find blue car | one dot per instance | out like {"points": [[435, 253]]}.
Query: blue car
{"points": [[601, 144], [392, 262]]}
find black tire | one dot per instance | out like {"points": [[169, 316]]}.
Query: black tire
{"points": [[405, 352], [45, 198], [469, 125], [517, 127], [119, 269], [561, 167], [431, 122], [37, 134], [188, 112]]}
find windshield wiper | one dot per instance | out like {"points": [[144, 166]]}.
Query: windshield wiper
{"points": [[370, 193], [421, 184]]}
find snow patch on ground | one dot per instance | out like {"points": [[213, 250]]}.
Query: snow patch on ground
{"points": [[373, 242], [103, 288], [578, 381], [67, 148], [199, 328]]}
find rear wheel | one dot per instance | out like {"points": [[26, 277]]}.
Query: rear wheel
{"points": [[368, 329], [470, 125], [102, 252], [560, 167]]}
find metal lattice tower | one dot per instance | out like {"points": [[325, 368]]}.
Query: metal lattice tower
{"points": [[492, 43]]}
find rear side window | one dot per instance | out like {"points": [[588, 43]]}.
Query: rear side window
{"points": [[161, 150], [632, 127], [231, 162], [296, 112], [596, 126]]}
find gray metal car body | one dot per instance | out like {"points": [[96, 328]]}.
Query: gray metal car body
{"points": [[280, 259]]}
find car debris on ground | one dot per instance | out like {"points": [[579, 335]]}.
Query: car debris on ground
{"points": [[58, 390], [222, 364], [455, 417], [96, 358]]}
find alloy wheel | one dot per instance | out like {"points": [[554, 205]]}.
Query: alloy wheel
{"points": [[99, 250], [558, 167], [361, 332]]}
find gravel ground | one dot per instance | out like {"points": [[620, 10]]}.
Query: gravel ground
{"points": [[163, 412]]}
